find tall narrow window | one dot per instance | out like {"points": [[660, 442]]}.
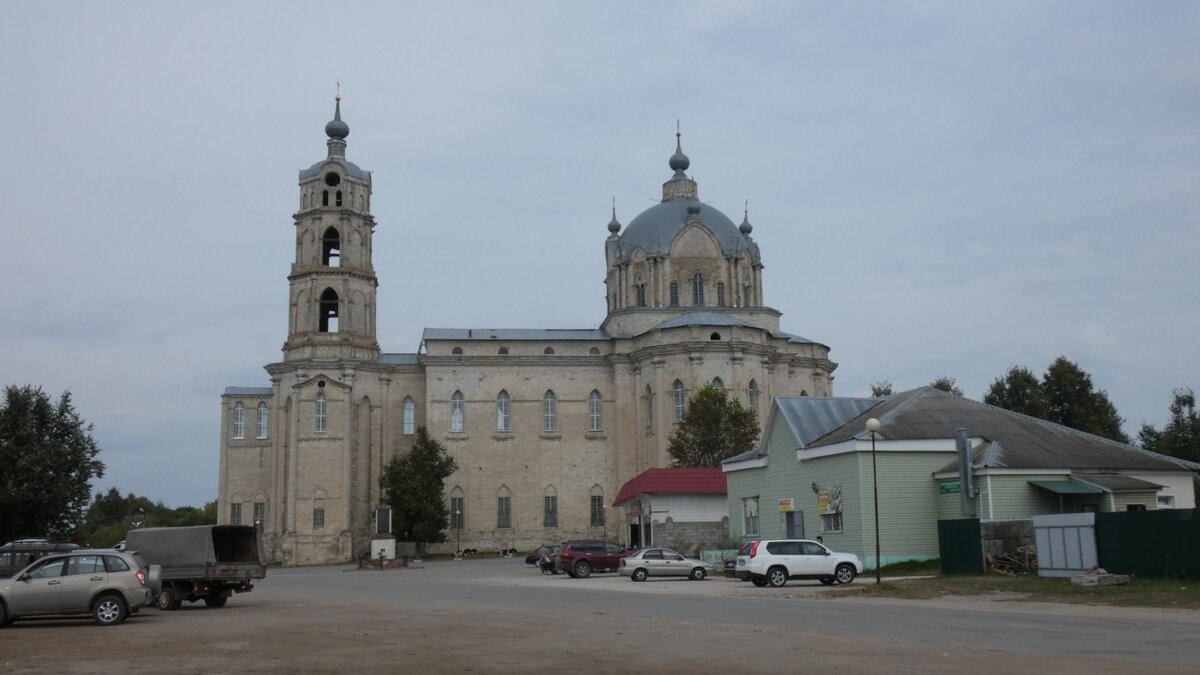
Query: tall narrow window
{"points": [[640, 291], [235, 513], [503, 412], [328, 312], [262, 420], [331, 248], [550, 511], [649, 406], [320, 410], [674, 297], [749, 516], [457, 412], [549, 412], [698, 289], [319, 514], [596, 507], [752, 397], [504, 511], [324, 197], [339, 198], [260, 514], [239, 421], [679, 399], [720, 294], [456, 513], [595, 411], [383, 520], [410, 417]]}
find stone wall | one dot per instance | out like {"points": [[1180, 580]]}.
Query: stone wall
{"points": [[691, 538]]}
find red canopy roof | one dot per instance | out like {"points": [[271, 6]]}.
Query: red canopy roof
{"points": [[709, 481]]}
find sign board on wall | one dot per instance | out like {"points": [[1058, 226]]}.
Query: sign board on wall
{"points": [[829, 500], [949, 487], [787, 504]]}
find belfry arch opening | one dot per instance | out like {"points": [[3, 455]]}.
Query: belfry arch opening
{"points": [[329, 312], [331, 248]]}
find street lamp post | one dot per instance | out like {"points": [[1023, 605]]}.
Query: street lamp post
{"points": [[873, 427]]}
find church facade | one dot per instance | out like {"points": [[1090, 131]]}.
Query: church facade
{"points": [[546, 425]]}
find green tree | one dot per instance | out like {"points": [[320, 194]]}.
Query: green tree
{"points": [[1072, 401], [1020, 391], [1181, 437], [881, 388], [47, 463], [414, 486], [947, 384], [714, 427]]}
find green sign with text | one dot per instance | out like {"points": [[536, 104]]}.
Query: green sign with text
{"points": [[949, 487]]}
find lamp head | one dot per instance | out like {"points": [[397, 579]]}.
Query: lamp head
{"points": [[872, 425]]}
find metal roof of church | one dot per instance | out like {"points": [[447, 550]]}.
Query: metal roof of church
{"points": [[397, 359], [702, 319], [249, 391], [674, 480], [514, 334]]}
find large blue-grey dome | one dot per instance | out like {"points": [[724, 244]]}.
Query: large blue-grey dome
{"points": [[656, 227]]}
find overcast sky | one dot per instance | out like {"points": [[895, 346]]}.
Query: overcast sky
{"points": [[938, 188]]}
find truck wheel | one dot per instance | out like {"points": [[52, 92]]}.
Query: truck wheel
{"points": [[215, 600], [168, 598], [109, 610]]}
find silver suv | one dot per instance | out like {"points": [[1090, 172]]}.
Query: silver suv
{"points": [[772, 562], [107, 584]]}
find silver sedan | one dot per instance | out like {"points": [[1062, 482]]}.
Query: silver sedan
{"points": [[663, 562]]}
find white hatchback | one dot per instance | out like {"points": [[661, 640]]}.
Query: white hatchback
{"points": [[772, 562]]}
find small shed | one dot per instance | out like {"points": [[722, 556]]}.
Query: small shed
{"points": [[681, 508]]}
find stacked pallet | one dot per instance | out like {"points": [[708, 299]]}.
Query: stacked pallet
{"points": [[1097, 576]]}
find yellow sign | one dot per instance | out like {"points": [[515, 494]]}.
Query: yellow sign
{"points": [[787, 504], [829, 500]]}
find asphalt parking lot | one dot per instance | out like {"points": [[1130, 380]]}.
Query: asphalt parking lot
{"points": [[491, 615]]}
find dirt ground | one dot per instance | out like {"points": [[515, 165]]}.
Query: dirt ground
{"points": [[320, 621]]}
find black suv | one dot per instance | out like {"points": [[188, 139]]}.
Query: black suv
{"points": [[581, 557], [16, 555]]}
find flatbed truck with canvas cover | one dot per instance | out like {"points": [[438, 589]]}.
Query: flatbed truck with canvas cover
{"points": [[205, 562]]}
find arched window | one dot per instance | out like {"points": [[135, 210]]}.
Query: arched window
{"points": [[548, 350], [720, 294], [503, 507], [318, 511], [649, 406], [456, 351], [549, 412], [339, 198], [718, 383], [457, 509], [502, 350], [320, 414], [331, 248], [329, 312], [239, 421], [503, 412], [304, 201], [679, 399], [596, 506], [595, 411], [674, 298], [410, 417], [593, 351], [640, 292], [698, 289], [550, 507], [457, 412], [262, 420], [804, 392], [324, 197], [714, 336], [752, 397]]}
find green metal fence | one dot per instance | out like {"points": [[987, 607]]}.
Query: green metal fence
{"points": [[961, 546], [1157, 544]]}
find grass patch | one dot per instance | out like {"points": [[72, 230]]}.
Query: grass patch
{"points": [[1137, 593], [909, 568]]}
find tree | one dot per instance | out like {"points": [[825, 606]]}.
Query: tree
{"points": [[714, 427], [47, 463], [1020, 391], [1181, 437], [110, 516], [881, 388], [414, 486], [1072, 401], [947, 384]]}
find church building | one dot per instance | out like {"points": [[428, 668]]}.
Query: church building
{"points": [[546, 424]]}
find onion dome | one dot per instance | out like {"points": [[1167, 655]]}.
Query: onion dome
{"points": [[746, 228], [679, 162], [336, 128], [614, 226]]}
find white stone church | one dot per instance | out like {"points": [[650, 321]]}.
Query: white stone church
{"points": [[546, 424]]}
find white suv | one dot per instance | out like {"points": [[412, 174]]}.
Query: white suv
{"points": [[771, 562]]}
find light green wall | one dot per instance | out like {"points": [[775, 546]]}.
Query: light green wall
{"points": [[908, 505], [1148, 499], [1013, 497]]}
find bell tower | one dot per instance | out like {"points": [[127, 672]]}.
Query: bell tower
{"points": [[332, 284]]}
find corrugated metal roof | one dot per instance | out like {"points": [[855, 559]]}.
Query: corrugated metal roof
{"points": [[702, 319], [249, 391], [796, 338], [514, 334], [1117, 482], [1067, 487], [811, 417], [397, 359], [1024, 442], [674, 481]]}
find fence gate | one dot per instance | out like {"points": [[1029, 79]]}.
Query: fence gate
{"points": [[960, 546], [1066, 544]]}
